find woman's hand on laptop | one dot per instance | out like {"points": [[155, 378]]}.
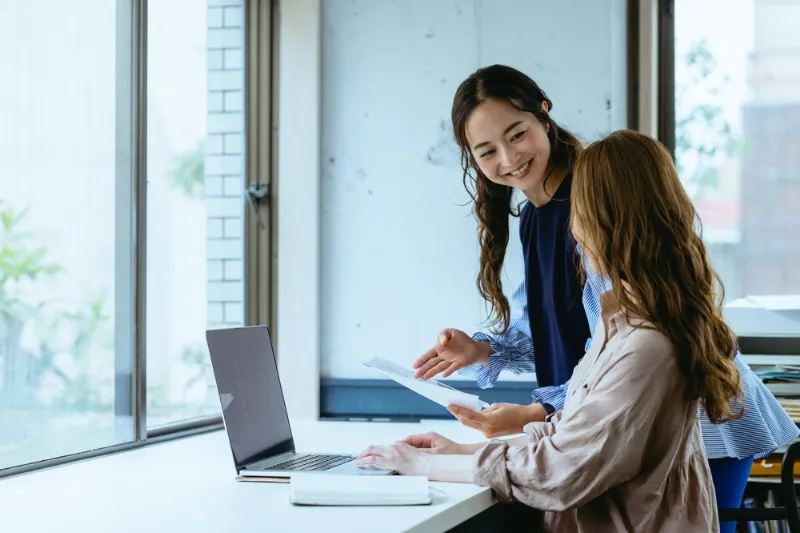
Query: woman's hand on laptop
{"points": [[453, 349], [398, 457], [432, 442], [407, 460]]}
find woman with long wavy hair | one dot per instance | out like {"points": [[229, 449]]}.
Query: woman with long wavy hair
{"points": [[626, 451], [510, 142]]}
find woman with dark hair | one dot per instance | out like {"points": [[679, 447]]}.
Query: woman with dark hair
{"points": [[509, 142]]}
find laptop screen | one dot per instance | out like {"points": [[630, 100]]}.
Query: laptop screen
{"points": [[250, 393]]}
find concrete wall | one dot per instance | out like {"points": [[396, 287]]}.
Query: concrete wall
{"points": [[399, 247]]}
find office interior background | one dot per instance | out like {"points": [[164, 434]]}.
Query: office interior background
{"points": [[176, 165]]}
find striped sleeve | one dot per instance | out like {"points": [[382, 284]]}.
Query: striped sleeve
{"points": [[595, 286], [555, 396], [512, 350]]}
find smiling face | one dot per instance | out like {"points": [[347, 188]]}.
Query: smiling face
{"points": [[510, 147]]}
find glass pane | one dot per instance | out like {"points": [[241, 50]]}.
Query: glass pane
{"points": [[58, 256], [738, 148], [195, 208]]}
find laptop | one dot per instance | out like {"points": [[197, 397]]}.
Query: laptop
{"points": [[254, 410]]}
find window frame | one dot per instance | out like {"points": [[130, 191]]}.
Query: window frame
{"points": [[130, 396]]}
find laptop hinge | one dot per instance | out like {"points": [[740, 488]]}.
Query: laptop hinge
{"points": [[260, 465]]}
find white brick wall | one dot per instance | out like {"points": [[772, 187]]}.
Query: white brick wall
{"points": [[232, 185], [233, 58], [214, 228], [224, 38], [214, 142], [232, 17], [215, 267], [224, 3], [232, 228], [225, 122], [224, 164], [224, 249], [232, 143], [233, 313]]}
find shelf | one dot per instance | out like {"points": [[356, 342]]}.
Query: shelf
{"points": [[774, 480], [768, 360]]}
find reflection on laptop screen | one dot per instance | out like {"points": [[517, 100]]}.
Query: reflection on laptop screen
{"points": [[249, 390]]}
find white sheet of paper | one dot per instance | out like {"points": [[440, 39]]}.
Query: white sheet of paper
{"points": [[431, 389]]}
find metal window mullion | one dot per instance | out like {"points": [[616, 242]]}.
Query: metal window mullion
{"points": [[140, 352], [632, 40], [271, 125], [666, 74], [130, 216], [258, 159]]}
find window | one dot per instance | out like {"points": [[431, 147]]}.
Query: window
{"points": [[195, 206], [737, 106], [122, 218], [63, 283]]}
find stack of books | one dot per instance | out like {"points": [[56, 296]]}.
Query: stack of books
{"points": [[765, 526], [784, 382]]}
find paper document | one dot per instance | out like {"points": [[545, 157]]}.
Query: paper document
{"points": [[431, 389], [336, 489]]}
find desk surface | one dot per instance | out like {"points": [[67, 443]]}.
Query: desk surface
{"points": [[188, 485]]}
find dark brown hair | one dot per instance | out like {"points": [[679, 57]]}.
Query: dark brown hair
{"points": [[633, 217], [493, 203]]}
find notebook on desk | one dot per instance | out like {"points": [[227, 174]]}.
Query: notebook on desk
{"points": [[338, 489]]}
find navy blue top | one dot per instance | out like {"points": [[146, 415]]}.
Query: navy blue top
{"points": [[559, 327]]}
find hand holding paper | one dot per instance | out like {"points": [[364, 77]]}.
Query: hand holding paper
{"points": [[500, 419], [433, 390]]}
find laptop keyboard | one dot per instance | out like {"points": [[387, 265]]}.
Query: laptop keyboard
{"points": [[312, 462]]}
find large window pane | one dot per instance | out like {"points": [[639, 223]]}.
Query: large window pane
{"points": [[60, 273], [738, 149], [195, 246]]}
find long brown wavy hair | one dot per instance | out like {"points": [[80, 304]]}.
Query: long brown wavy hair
{"points": [[493, 203], [635, 221]]}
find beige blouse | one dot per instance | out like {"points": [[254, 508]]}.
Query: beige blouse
{"points": [[626, 452]]}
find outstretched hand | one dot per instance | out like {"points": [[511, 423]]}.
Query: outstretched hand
{"points": [[453, 350]]}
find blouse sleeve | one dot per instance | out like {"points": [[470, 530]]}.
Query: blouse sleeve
{"points": [[511, 351]]}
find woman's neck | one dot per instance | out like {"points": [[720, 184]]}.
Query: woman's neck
{"points": [[544, 191]]}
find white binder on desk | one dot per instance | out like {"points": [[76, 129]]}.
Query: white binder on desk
{"points": [[336, 489], [433, 390]]}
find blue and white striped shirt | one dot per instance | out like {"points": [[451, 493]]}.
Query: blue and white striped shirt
{"points": [[763, 428]]}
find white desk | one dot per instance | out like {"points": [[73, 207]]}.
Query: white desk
{"points": [[187, 485]]}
